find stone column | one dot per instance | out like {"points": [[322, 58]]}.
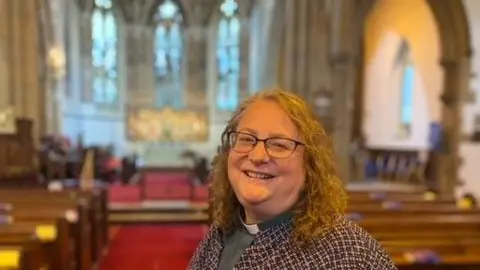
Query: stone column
{"points": [[273, 47], [139, 70], [22, 61], [245, 13], [362, 10], [196, 48], [5, 17], [342, 60], [54, 15], [145, 72], [139, 32], [342, 105], [135, 55], [196, 54], [304, 67], [447, 170], [86, 55]]}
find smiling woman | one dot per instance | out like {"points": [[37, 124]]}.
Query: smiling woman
{"points": [[277, 200]]}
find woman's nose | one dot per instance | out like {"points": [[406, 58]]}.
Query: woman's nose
{"points": [[259, 153]]}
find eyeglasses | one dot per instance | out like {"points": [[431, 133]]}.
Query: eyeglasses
{"points": [[275, 147]]}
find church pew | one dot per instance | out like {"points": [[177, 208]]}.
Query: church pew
{"points": [[395, 215], [367, 195], [459, 245], [425, 235], [446, 258], [37, 210], [97, 200], [431, 228], [448, 262], [26, 254], [432, 222], [405, 199], [379, 211], [436, 226], [93, 201], [407, 204], [79, 227], [428, 207], [52, 234]]}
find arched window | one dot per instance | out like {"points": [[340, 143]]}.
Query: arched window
{"points": [[168, 46], [104, 53], [407, 87], [228, 57]]}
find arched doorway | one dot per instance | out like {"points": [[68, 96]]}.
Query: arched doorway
{"points": [[454, 61]]}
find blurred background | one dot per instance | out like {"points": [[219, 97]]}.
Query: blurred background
{"points": [[111, 112]]}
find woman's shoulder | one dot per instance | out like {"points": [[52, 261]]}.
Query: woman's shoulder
{"points": [[348, 244], [208, 250], [213, 236]]}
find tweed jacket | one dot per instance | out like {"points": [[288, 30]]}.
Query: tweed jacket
{"points": [[345, 247]]}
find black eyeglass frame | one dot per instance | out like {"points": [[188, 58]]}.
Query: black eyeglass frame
{"points": [[265, 142]]}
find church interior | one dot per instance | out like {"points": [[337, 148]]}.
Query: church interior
{"points": [[111, 112]]}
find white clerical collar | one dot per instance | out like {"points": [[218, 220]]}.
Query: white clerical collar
{"points": [[252, 229], [256, 228]]}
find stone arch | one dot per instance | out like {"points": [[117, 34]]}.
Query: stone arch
{"points": [[455, 46], [454, 29], [245, 9], [89, 5], [181, 5]]}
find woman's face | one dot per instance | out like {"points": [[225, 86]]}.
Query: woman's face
{"points": [[266, 186]]}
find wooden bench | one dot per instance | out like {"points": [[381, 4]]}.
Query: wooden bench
{"points": [[53, 237], [23, 253], [416, 225], [399, 196], [83, 211], [95, 202], [78, 225]]}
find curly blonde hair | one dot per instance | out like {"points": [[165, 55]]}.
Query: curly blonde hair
{"points": [[322, 198]]}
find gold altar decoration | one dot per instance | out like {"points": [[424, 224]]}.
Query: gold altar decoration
{"points": [[166, 125]]}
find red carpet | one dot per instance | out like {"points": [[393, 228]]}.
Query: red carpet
{"points": [[159, 186], [152, 247]]}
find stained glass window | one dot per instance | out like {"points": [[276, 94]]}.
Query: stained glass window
{"points": [[407, 87], [228, 57], [168, 46], [104, 53]]}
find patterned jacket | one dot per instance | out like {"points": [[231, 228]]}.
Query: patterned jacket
{"points": [[345, 247]]}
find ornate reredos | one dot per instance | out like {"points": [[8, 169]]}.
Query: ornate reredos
{"points": [[166, 125]]}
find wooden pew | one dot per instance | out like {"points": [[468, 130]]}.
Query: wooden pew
{"points": [[95, 202], [449, 262], [78, 229], [28, 204], [438, 226], [23, 253], [53, 237], [416, 197], [17, 155], [73, 239], [405, 211]]}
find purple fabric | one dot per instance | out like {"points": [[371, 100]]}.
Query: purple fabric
{"points": [[379, 196], [354, 216], [424, 257], [4, 219], [392, 205]]}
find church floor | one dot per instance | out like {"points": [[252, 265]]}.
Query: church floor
{"points": [[151, 247]]}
